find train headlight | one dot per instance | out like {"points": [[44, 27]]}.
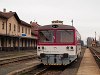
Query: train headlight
{"points": [[71, 47], [67, 47], [38, 47], [42, 47]]}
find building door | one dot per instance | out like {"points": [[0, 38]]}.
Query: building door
{"points": [[2, 43]]}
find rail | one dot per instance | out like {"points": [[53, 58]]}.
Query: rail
{"points": [[95, 52]]}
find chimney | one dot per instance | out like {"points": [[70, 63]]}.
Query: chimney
{"points": [[4, 10], [30, 22], [10, 11]]}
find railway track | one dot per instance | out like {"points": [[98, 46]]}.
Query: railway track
{"points": [[4, 61], [70, 69], [18, 67], [46, 70], [37, 70], [53, 70], [11, 64], [96, 55]]}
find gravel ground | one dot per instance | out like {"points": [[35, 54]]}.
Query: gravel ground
{"points": [[74, 66], [16, 53], [54, 70]]}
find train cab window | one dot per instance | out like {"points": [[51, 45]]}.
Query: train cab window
{"points": [[46, 36], [65, 36]]}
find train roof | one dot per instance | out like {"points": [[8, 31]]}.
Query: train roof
{"points": [[56, 26]]}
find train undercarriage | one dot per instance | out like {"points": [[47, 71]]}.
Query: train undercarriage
{"points": [[57, 59]]}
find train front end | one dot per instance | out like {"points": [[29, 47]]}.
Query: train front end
{"points": [[56, 46]]}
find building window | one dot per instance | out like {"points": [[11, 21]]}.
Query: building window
{"points": [[18, 28], [26, 30], [22, 29], [3, 25], [9, 26], [14, 27]]}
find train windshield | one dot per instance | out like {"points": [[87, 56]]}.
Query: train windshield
{"points": [[46, 36], [64, 36]]}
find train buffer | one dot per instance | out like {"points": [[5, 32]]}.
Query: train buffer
{"points": [[88, 65]]}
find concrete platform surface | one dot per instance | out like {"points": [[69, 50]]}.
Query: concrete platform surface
{"points": [[88, 65]]}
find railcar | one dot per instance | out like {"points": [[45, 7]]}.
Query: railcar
{"points": [[58, 44]]}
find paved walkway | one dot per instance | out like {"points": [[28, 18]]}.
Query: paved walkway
{"points": [[88, 65]]}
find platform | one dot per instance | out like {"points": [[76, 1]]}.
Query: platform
{"points": [[88, 65]]}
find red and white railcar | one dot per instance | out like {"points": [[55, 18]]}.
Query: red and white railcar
{"points": [[58, 44]]}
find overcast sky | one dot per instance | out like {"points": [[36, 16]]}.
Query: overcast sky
{"points": [[85, 13]]}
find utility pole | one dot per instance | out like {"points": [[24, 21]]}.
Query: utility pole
{"points": [[72, 22], [95, 36]]}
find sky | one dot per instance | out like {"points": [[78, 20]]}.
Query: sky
{"points": [[85, 13]]}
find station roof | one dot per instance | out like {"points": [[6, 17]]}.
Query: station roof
{"points": [[7, 15]]}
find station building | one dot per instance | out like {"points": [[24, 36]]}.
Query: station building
{"points": [[15, 34], [34, 31]]}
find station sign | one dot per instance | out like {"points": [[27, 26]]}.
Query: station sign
{"points": [[23, 34]]}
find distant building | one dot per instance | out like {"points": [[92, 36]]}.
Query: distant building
{"points": [[98, 43], [15, 34], [82, 43], [34, 29], [94, 43], [89, 41]]}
